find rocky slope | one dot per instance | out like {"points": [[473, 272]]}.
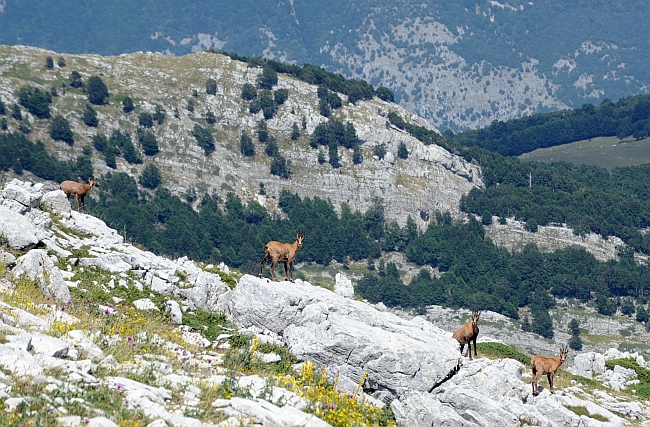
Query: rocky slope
{"points": [[431, 178], [53, 356]]}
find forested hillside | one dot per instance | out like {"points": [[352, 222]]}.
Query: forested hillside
{"points": [[629, 117], [458, 64], [90, 126]]}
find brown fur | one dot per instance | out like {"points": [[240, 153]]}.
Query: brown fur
{"points": [[78, 189], [546, 366], [468, 334], [284, 252]]}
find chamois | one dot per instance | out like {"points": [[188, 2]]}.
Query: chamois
{"points": [[468, 333], [284, 252], [547, 366], [78, 189]]}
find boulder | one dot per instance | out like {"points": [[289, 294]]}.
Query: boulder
{"points": [[345, 335], [264, 413], [38, 266], [343, 286], [588, 364], [57, 203], [19, 231]]}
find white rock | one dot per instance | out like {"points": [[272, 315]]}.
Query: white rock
{"points": [[20, 232], [37, 265], [57, 203], [145, 304], [343, 286], [345, 335], [174, 309], [588, 364]]}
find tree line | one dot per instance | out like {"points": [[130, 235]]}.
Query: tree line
{"points": [[355, 89], [627, 117]]}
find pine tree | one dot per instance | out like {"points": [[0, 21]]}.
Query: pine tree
{"points": [[60, 130], [150, 177], [262, 131], [210, 118], [127, 104], [97, 91], [90, 117], [159, 114], [246, 145], [49, 62], [295, 131], [402, 151], [211, 87], [75, 79]]}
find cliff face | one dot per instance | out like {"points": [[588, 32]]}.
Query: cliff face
{"points": [[431, 178]]}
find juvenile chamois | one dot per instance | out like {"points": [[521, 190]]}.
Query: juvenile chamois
{"points": [[284, 252], [468, 333], [547, 366], [78, 189]]}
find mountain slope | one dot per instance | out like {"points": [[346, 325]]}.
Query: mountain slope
{"points": [[459, 64], [430, 178]]}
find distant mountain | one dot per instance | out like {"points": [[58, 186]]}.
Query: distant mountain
{"points": [[458, 64]]}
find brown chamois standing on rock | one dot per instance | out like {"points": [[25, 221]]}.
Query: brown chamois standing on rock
{"points": [[78, 189], [284, 252], [468, 333], [547, 366]]}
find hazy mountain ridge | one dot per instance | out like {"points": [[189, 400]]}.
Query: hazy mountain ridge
{"points": [[478, 62]]}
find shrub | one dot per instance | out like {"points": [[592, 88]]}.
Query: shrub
{"points": [[97, 91], [145, 119], [60, 130], [127, 104], [90, 116], [249, 92], [204, 139], [150, 177], [211, 87]]}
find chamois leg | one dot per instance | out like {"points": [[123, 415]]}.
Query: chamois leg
{"points": [[462, 346], [286, 269], [78, 203], [533, 381], [475, 347], [291, 271], [266, 258], [550, 382], [275, 261]]}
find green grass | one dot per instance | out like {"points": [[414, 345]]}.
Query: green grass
{"points": [[493, 350], [581, 410], [606, 152]]}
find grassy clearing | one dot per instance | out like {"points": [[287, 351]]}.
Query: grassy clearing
{"points": [[606, 152]]}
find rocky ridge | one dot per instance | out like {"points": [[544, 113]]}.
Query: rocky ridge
{"points": [[412, 365]]}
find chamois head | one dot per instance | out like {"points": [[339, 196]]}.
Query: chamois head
{"points": [[564, 351], [475, 316], [300, 236]]}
